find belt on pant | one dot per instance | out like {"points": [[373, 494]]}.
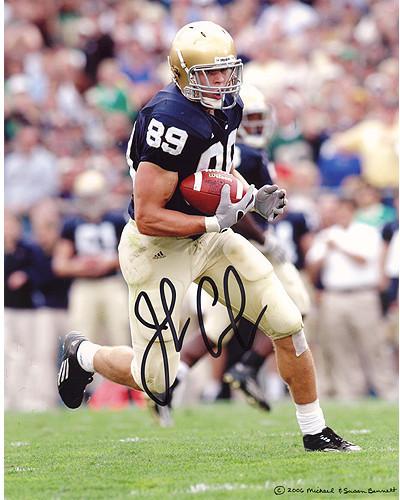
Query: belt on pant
{"points": [[353, 290]]}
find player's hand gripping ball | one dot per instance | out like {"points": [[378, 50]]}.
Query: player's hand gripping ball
{"points": [[202, 190]]}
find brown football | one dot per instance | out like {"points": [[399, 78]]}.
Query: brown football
{"points": [[202, 190]]}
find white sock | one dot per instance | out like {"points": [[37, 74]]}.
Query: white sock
{"points": [[183, 370], [310, 418], [211, 390], [85, 355]]}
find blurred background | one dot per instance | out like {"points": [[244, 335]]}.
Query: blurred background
{"points": [[76, 74]]}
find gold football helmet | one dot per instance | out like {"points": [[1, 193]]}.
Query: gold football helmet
{"points": [[259, 118], [201, 47]]}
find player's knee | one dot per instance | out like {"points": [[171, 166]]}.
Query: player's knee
{"points": [[294, 345], [158, 377], [283, 319]]}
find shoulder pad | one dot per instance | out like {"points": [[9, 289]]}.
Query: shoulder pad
{"points": [[176, 110]]}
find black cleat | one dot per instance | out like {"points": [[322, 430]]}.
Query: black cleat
{"points": [[244, 378], [327, 440], [72, 378]]}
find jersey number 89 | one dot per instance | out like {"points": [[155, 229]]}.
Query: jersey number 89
{"points": [[172, 142]]}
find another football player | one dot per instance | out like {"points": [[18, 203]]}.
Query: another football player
{"points": [[87, 253], [189, 126]]}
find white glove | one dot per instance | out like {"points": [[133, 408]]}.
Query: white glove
{"points": [[270, 201], [228, 213]]}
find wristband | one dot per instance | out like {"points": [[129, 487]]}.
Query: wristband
{"points": [[212, 225]]}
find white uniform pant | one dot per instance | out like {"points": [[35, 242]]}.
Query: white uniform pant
{"points": [[146, 260], [216, 317]]}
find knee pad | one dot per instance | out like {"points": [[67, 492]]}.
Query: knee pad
{"points": [[282, 318]]}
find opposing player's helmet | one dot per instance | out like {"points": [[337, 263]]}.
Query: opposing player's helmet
{"points": [[202, 46], [259, 118]]}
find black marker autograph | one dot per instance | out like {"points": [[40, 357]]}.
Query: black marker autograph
{"points": [[168, 322]]}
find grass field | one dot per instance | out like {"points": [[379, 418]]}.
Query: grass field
{"points": [[219, 451]]}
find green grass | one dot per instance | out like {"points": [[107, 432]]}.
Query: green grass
{"points": [[219, 451]]}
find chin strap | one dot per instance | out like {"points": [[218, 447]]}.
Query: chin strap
{"points": [[212, 103]]}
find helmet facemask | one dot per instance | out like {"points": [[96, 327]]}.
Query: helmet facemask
{"points": [[195, 90]]}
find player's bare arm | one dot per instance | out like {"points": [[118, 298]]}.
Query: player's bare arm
{"points": [[249, 228], [154, 187]]}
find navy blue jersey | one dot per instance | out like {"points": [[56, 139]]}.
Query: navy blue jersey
{"points": [[253, 164], [91, 239], [180, 136], [290, 229]]}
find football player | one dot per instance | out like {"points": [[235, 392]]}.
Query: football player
{"points": [[189, 126], [250, 159], [87, 253]]}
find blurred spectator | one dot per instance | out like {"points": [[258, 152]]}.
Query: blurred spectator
{"points": [[118, 128], [375, 140], [96, 46], [19, 316], [287, 17], [391, 268], [336, 165], [303, 186], [295, 225], [370, 208], [264, 69], [20, 109], [51, 296], [87, 252], [30, 172], [390, 272], [390, 281], [63, 102], [110, 92], [354, 348], [288, 146]]}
